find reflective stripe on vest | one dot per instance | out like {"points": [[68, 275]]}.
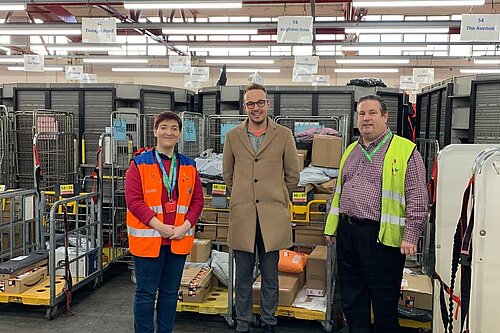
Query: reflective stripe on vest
{"points": [[143, 232], [182, 209], [393, 208], [156, 209]]}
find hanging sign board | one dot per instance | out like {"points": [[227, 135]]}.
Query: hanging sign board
{"points": [[73, 73], [89, 78], [295, 29], [179, 64], [480, 27], [34, 62], [423, 75], [321, 80], [406, 82], [200, 74], [98, 30], [304, 67]]}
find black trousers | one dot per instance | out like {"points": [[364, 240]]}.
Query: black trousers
{"points": [[369, 275]]}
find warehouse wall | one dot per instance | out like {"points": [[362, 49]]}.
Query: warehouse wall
{"points": [[104, 75]]}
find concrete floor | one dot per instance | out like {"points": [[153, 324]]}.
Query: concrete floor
{"points": [[109, 309]]}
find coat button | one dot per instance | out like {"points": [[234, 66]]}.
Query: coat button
{"points": [[256, 201], [256, 160], [255, 180]]}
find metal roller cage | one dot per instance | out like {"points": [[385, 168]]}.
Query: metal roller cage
{"points": [[6, 148], [26, 125], [216, 129]]}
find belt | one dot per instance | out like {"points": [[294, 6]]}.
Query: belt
{"points": [[358, 221]]}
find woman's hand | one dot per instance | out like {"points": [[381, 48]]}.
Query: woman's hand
{"points": [[180, 231], [165, 230]]}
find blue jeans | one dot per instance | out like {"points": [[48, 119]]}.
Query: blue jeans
{"points": [[162, 275]]}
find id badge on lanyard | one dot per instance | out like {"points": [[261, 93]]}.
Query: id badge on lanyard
{"points": [[169, 182]]}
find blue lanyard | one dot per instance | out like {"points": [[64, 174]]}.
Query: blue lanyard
{"points": [[169, 181]]}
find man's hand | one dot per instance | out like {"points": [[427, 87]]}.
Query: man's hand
{"points": [[330, 239], [408, 248], [180, 231]]}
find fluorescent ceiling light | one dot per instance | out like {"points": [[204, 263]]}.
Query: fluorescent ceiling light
{"points": [[401, 30], [11, 7], [253, 70], [487, 61], [40, 32], [228, 49], [11, 60], [207, 31], [385, 48], [183, 4], [372, 61], [45, 69], [366, 70], [480, 71], [140, 69], [240, 61], [114, 61], [420, 3], [82, 47]]}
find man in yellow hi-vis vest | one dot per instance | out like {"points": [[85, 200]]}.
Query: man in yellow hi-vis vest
{"points": [[378, 212]]}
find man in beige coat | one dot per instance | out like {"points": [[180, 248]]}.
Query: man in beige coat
{"points": [[260, 168]]}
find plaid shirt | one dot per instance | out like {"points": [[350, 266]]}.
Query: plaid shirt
{"points": [[362, 188]]}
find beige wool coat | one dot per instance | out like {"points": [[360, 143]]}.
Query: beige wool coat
{"points": [[260, 184]]}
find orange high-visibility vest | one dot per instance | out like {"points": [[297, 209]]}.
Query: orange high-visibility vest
{"points": [[143, 240]]}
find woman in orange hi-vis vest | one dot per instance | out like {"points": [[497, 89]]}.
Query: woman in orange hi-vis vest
{"points": [[164, 201]]}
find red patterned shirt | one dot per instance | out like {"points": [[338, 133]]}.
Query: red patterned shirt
{"points": [[362, 188]]}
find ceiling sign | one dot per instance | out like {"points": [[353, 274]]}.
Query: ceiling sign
{"points": [[423, 75], [179, 64], [321, 80], [34, 62], [304, 67], [295, 29], [98, 30], [406, 82], [480, 27], [73, 73], [200, 74], [89, 78]]}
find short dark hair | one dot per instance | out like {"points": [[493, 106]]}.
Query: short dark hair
{"points": [[167, 115], [383, 106], [255, 86]]}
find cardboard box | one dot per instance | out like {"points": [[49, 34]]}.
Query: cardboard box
{"points": [[223, 217], [304, 152], [196, 283], [289, 287], [326, 151], [310, 235], [327, 187], [25, 281], [316, 272], [86, 264], [301, 159], [209, 216], [222, 231], [416, 291], [201, 250], [323, 196], [205, 231]]}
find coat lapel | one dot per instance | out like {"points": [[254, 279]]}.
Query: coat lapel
{"points": [[242, 133], [270, 134]]}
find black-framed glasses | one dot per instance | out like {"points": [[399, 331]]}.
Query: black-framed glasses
{"points": [[260, 103]]}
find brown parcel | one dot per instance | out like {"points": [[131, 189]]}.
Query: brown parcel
{"points": [[205, 231], [326, 151], [416, 291], [316, 272], [25, 281], [310, 234], [200, 251], [289, 287], [196, 283], [301, 160]]}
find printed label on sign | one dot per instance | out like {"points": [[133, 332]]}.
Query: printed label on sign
{"points": [[119, 129], [299, 197], [219, 189], [66, 190]]}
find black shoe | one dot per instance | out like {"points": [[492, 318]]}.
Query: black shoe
{"points": [[268, 328]]}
